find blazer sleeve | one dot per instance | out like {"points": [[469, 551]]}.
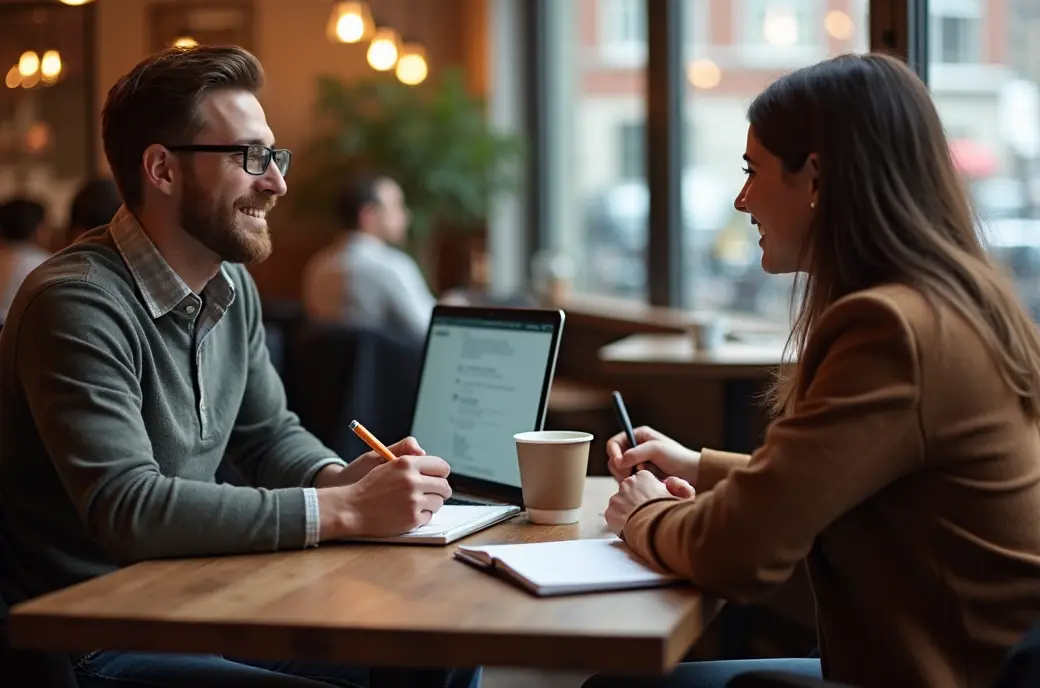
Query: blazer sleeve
{"points": [[716, 465], [854, 429]]}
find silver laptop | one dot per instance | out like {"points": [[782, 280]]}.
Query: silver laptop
{"points": [[486, 376]]}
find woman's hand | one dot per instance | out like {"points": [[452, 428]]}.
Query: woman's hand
{"points": [[654, 449], [632, 493]]}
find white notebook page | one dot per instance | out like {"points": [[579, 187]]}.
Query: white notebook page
{"points": [[452, 516], [576, 564]]}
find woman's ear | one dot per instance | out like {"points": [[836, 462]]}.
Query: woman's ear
{"points": [[812, 167]]}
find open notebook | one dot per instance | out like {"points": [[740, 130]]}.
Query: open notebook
{"points": [[450, 523], [569, 566]]}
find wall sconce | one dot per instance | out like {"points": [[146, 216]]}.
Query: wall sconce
{"points": [[412, 67], [382, 51], [350, 22]]}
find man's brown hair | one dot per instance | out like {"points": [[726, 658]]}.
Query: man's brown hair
{"points": [[158, 101]]}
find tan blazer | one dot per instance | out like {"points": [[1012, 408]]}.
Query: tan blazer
{"points": [[908, 476]]}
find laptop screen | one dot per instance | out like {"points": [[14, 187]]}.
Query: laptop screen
{"points": [[482, 381]]}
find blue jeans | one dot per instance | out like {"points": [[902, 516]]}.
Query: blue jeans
{"points": [[111, 669], [707, 674]]}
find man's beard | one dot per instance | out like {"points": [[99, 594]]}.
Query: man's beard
{"points": [[215, 223]]}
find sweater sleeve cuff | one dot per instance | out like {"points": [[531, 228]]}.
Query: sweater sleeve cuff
{"points": [[312, 472], [639, 530], [292, 518], [715, 465]]}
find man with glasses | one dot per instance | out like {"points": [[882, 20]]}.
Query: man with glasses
{"points": [[132, 362]]}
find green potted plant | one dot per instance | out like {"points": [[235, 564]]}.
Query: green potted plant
{"points": [[435, 140]]}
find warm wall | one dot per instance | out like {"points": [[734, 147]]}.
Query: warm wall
{"points": [[289, 37]]}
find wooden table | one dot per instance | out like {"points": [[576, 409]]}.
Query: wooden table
{"points": [[670, 353], [389, 605]]}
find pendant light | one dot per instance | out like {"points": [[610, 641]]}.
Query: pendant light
{"points": [[383, 50], [412, 67], [350, 22]]}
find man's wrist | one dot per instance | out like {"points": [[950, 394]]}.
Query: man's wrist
{"points": [[329, 476], [337, 519]]}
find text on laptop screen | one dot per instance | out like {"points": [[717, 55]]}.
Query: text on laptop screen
{"points": [[481, 384]]}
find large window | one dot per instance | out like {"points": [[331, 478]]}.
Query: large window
{"points": [[46, 144], [647, 102], [595, 95], [720, 246], [984, 74]]}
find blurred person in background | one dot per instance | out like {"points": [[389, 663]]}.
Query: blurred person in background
{"points": [[363, 277], [21, 222], [94, 205]]}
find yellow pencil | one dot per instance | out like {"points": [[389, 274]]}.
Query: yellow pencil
{"points": [[370, 439]]}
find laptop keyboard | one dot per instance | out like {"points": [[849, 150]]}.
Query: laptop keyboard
{"points": [[459, 501]]}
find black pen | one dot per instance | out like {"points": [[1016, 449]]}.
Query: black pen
{"points": [[626, 424]]}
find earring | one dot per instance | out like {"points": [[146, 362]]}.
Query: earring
{"points": [[812, 204]]}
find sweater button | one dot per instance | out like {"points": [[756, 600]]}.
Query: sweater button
{"points": [[189, 310]]}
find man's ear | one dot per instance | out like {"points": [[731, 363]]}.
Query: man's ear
{"points": [[161, 168]]}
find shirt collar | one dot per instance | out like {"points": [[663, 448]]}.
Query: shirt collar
{"points": [[161, 288]]}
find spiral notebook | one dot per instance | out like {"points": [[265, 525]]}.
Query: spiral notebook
{"points": [[567, 567]]}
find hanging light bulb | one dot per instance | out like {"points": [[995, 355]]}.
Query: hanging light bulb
{"points": [[50, 66], [28, 63], [350, 22], [411, 64], [382, 51]]}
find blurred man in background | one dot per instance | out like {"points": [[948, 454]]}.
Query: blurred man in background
{"points": [[363, 278]]}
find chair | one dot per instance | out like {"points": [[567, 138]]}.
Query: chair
{"points": [[282, 318], [341, 373], [26, 667]]}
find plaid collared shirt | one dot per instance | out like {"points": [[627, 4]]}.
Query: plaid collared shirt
{"points": [[163, 291]]}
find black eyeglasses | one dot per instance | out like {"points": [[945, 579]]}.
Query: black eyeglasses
{"points": [[255, 158]]}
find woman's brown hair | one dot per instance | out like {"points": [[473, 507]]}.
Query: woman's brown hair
{"points": [[891, 209]]}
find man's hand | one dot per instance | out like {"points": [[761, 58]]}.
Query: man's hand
{"points": [[632, 493], [333, 475], [393, 498]]}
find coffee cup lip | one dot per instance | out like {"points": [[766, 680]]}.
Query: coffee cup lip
{"points": [[552, 437]]}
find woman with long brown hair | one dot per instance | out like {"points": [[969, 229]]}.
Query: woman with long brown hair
{"points": [[904, 466]]}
